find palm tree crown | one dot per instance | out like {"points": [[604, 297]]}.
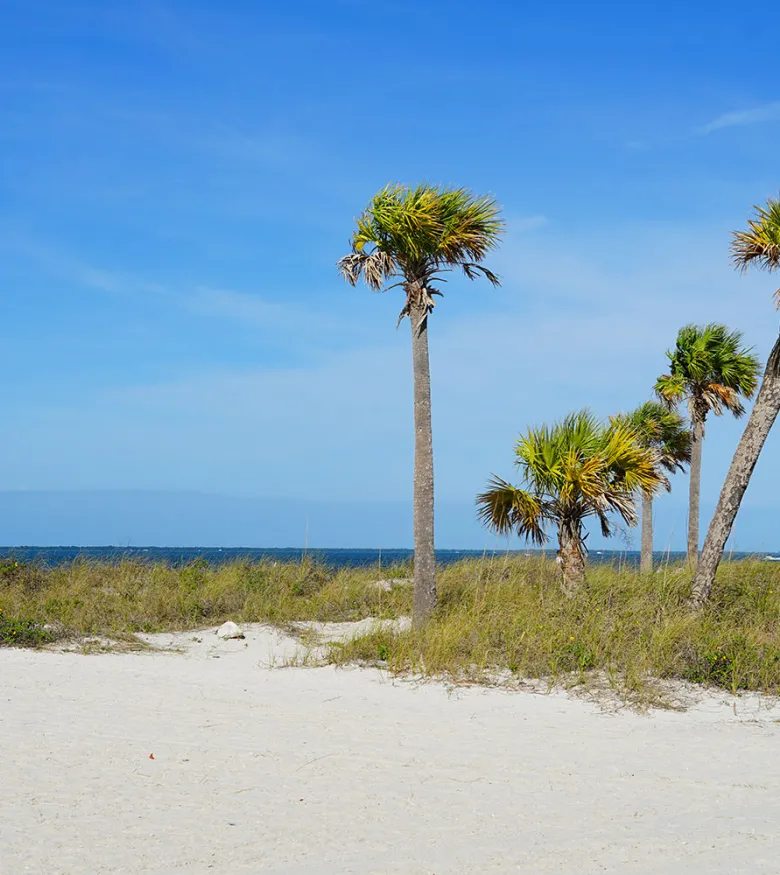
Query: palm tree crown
{"points": [[760, 244], [573, 470], [664, 431], [413, 234], [710, 368]]}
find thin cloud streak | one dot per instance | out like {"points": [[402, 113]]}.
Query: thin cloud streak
{"points": [[290, 324], [767, 112], [316, 328], [762, 114], [60, 264]]}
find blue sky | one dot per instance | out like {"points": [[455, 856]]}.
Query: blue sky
{"points": [[177, 181]]}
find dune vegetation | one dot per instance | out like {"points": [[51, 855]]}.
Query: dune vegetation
{"points": [[497, 620]]}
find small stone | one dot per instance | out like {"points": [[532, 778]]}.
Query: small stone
{"points": [[388, 585], [229, 630]]}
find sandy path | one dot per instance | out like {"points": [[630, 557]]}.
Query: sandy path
{"points": [[343, 771]]}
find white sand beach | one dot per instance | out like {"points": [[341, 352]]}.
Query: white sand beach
{"points": [[319, 771]]}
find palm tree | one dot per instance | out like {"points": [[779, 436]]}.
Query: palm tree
{"points": [[759, 245], [666, 433], [712, 371], [575, 469], [412, 235]]}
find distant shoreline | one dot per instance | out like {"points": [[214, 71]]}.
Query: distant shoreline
{"points": [[333, 556]]}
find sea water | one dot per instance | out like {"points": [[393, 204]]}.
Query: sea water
{"points": [[333, 557]]}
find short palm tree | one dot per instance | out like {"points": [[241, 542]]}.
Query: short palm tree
{"points": [[408, 237], [713, 372], [665, 432], [760, 246], [576, 469]]}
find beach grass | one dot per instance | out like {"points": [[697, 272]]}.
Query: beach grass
{"points": [[626, 629], [500, 617], [89, 597]]}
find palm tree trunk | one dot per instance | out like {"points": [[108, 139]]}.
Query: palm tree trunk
{"points": [[695, 488], [646, 560], [762, 417], [424, 557], [571, 553]]}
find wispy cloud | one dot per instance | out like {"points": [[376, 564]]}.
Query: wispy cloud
{"points": [[63, 265], [288, 321], [767, 112], [763, 113], [285, 323]]}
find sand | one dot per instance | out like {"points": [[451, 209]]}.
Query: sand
{"points": [[319, 770]]}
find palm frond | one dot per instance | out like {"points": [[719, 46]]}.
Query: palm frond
{"points": [[719, 397], [670, 389], [538, 457], [582, 477], [375, 268], [508, 510], [663, 430], [473, 270], [632, 467], [471, 226], [760, 244], [622, 503]]}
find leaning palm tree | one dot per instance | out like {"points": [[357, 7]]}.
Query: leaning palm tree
{"points": [[760, 246], [576, 469], [407, 237], [666, 432], [713, 372]]}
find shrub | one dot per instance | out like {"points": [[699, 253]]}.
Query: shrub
{"points": [[22, 633]]}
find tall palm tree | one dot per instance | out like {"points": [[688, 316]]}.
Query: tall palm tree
{"points": [[411, 235], [575, 469], [713, 372], [666, 433], [760, 246]]}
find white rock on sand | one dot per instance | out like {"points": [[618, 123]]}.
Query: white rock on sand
{"points": [[229, 630], [166, 762]]}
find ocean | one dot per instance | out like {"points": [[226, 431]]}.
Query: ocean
{"points": [[335, 558]]}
